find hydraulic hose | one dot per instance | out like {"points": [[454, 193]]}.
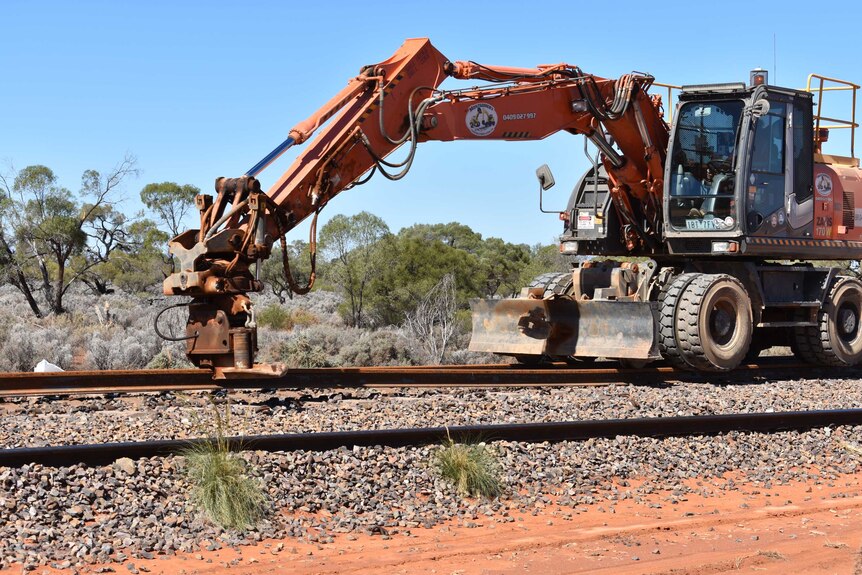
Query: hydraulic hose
{"points": [[168, 338]]}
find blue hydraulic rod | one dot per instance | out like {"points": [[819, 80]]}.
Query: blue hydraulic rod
{"points": [[270, 157]]}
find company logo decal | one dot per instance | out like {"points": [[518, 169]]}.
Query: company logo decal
{"points": [[481, 119], [823, 184]]}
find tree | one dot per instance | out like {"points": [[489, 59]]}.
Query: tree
{"points": [[545, 259], [171, 203], [453, 234], [138, 265], [432, 324], [413, 267], [51, 239], [503, 264], [355, 252], [11, 268]]}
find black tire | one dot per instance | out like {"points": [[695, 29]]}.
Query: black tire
{"points": [[554, 283], [714, 323], [668, 300], [837, 339]]}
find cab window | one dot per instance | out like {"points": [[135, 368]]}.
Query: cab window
{"points": [[766, 182]]}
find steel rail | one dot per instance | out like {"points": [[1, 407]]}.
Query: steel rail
{"points": [[89, 382], [56, 456]]}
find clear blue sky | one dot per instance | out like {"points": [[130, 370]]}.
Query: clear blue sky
{"points": [[197, 90]]}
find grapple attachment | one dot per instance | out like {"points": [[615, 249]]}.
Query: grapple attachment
{"points": [[562, 327]]}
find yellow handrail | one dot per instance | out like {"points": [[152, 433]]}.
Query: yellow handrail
{"points": [[670, 89], [843, 85]]}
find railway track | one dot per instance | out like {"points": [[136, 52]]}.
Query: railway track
{"points": [[492, 375], [101, 454]]}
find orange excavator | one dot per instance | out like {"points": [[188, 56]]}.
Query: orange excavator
{"points": [[700, 211]]}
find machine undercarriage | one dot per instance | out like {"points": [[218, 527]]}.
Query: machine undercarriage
{"points": [[706, 317]]}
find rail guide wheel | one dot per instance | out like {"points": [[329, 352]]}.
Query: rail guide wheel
{"points": [[706, 322], [837, 338]]}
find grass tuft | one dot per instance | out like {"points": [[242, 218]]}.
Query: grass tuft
{"points": [[221, 486], [471, 467]]}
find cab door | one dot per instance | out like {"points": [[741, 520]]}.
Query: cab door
{"points": [[779, 197], [799, 194], [767, 174]]}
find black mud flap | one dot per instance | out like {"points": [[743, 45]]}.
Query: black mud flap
{"points": [[563, 327]]}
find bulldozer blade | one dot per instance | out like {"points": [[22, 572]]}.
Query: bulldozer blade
{"points": [[563, 327]]}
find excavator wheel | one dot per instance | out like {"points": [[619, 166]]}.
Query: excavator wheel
{"points": [[837, 339], [668, 300], [714, 322], [554, 283]]}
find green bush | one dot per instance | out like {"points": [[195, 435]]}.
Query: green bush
{"points": [[304, 318], [279, 317], [274, 316]]}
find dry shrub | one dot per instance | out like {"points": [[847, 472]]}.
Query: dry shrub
{"points": [[116, 348], [25, 344], [172, 356], [377, 347], [301, 352], [321, 305], [325, 345]]}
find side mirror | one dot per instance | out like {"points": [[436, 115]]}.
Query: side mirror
{"points": [[546, 178], [546, 181]]}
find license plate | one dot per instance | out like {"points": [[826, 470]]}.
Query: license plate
{"points": [[694, 224]]}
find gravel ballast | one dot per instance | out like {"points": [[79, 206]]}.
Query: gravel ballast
{"points": [[37, 422], [81, 515]]}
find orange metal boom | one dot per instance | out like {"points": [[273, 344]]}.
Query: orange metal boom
{"points": [[528, 104]]}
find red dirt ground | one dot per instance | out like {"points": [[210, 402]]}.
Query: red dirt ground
{"points": [[785, 529]]}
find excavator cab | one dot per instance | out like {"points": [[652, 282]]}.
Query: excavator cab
{"points": [[702, 180], [739, 168]]}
